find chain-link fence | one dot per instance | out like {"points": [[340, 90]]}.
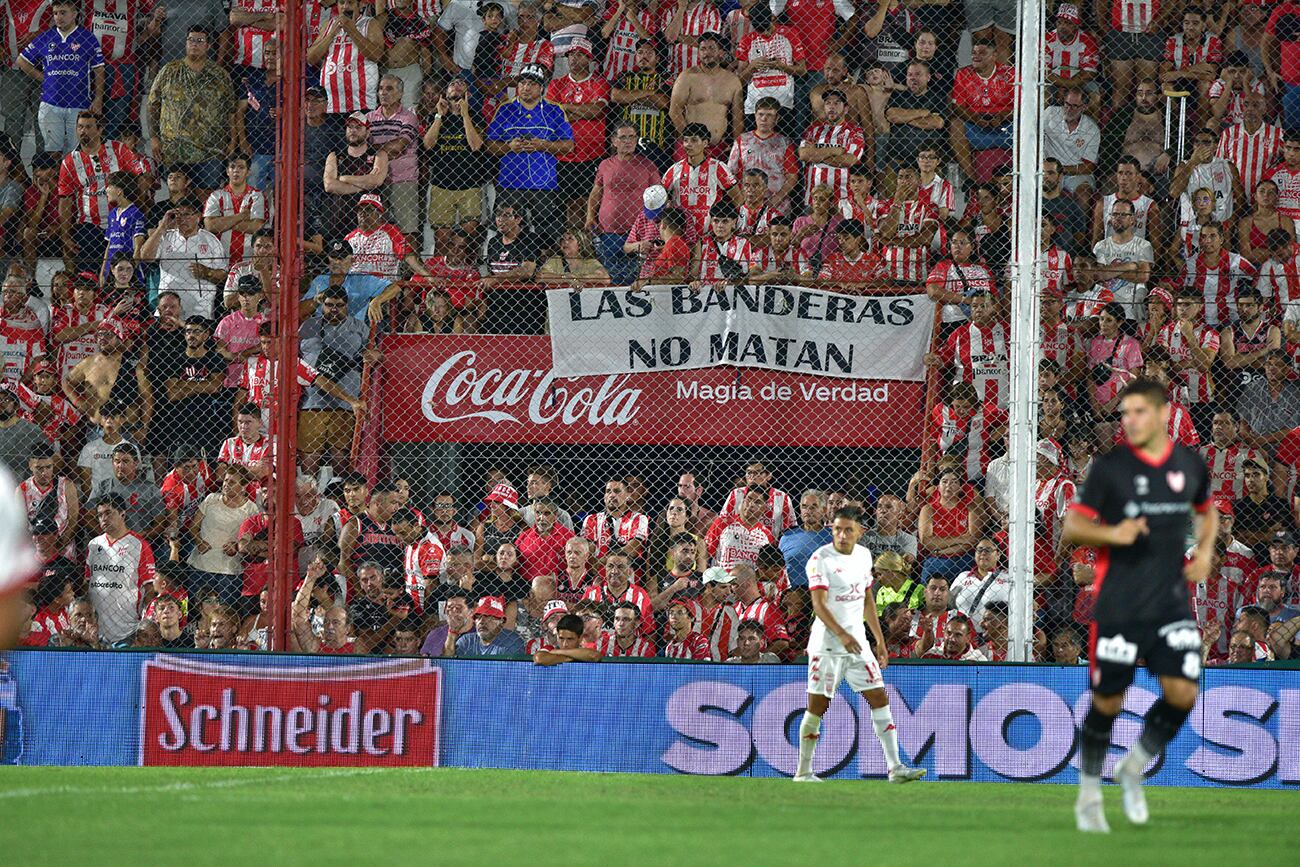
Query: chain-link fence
{"points": [[674, 278]]}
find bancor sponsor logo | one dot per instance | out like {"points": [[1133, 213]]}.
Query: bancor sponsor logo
{"points": [[198, 712]]}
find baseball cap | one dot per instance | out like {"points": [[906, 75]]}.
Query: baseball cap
{"points": [[315, 92], [554, 607], [717, 575], [116, 326], [1224, 506], [1282, 537], [249, 284], [1050, 450], [535, 72], [44, 366], [504, 494], [653, 200], [338, 249], [373, 200], [359, 117], [491, 606], [892, 561], [583, 44], [1258, 461], [1068, 11], [44, 526]]}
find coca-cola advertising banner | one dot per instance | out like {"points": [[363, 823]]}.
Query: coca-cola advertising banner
{"points": [[499, 388], [198, 711], [788, 328]]}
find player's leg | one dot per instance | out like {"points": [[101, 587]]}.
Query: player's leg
{"points": [[882, 719], [1094, 743], [810, 730]]}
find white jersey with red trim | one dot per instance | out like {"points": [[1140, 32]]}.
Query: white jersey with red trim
{"points": [[695, 189], [602, 530], [753, 221], [457, 536], [85, 176], [908, 264], [1056, 270], [768, 262], [966, 279], [775, 156], [34, 500], [1052, 497], [63, 414], [1081, 306], [116, 23], [116, 569], [225, 203], [982, 356], [235, 451], [259, 379], [847, 580], [608, 645], [780, 513], [843, 135], [1133, 16], [423, 560], [1288, 189], [938, 193], [1252, 153], [250, 41], [379, 252], [948, 429], [73, 352], [351, 82], [697, 19], [1069, 59], [1227, 465], [1192, 385], [19, 345], [729, 541]]}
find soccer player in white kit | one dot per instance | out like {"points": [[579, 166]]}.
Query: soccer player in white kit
{"points": [[839, 577], [18, 563]]}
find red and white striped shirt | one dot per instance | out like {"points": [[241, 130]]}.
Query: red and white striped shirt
{"points": [[234, 451], [86, 175], [768, 613], [607, 645], [19, 345], [115, 23], [737, 249], [1180, 427], [379, 252], [981, 356], [767, 262], [258, 379], [729, 541], [908, 264], [351, 82], [63, 414], [1288, 189], [225, 203], [697, 19], [1052, 497], [782, 44], [184, 497], [1236, 100], [1252, 153], [456, 536], [602, 530], [514, 57], [1067, 61], [1216, 283], [1182, 54], [720, 625], [695, 189], [947, 428], [23, 18], [775, 156], [422, 560], [1192, 385], [753, 221], [250, 41], [1219, 597], [966, 279], [780, 508], [1133, 16], [939, 193], [693, 646], [33, 498], [634, 594], [1227, 467], [844, 135], [620, 48], [1081, 306], [1057, 270], [1060, 343], [73, 352]]}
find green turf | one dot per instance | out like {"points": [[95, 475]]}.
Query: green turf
{"points": [[75, 816]]}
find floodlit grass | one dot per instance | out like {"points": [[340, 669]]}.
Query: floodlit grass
{"points": [[278, 816]]}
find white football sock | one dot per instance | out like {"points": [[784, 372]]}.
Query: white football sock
{"points": [[1088, 784], [809, 732], [883, 720]]}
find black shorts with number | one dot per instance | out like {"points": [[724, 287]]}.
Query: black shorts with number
{"points": [[1170, 649]]}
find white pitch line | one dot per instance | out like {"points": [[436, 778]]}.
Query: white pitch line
{"points": [[185, 786]]}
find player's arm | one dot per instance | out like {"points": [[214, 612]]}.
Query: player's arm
{"points": [[1207, 530], [824, 614], [1083, 527], [872, 619]]}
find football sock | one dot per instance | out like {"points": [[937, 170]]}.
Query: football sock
{"points": [[1095, 736], [1162, 722], [809, 732], [883, 720]]}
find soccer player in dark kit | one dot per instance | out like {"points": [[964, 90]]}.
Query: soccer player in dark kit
{"points": [[1135, 508]]}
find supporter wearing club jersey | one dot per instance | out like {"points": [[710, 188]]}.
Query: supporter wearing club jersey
{"points": [[118, 564], [69, 63]]}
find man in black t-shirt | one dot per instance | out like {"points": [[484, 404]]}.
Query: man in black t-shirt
{"points": [[1259, 514], [510, 258], [1136, 507], [462, 167], [199, 404]]}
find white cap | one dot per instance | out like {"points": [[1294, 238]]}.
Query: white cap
{"points": [[654, 198], [716, 574], [1049, 450]]}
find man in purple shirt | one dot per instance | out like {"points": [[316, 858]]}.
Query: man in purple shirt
{"points": [[69, 64], [457, 612]]}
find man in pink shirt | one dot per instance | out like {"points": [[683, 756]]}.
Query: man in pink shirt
{"points": [[395, 130], [616, 201], [236, 333]]}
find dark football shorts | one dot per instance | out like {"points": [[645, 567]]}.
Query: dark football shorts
{"points": [[1169, 649]]}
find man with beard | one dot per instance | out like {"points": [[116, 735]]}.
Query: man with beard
{"points": [[1246, 343], [1063, 210], [711, 95], [836, 72], [456, 146], [111, 374], [350, 173], [83, 204], [200, 413], [1136, 129]]}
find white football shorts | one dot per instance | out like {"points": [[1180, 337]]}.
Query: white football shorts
{"points": [[859, 670]]}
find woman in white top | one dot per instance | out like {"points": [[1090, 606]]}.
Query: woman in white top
{"points": [[215, 558]]}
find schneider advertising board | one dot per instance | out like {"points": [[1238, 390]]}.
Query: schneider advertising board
{"points": [[1008, 723]]}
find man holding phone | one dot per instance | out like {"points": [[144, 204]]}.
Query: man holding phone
{"points": [[456, 193], [192, 259]]}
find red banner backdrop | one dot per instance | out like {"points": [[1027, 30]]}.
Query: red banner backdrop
{"points": [[494, 388]]}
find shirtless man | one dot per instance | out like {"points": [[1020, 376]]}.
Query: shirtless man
{"points": [[1144, 137], [710, 95], [90, 384], [836, 71]]}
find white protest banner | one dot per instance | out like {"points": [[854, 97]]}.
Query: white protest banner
{"points": [[788, 328]]}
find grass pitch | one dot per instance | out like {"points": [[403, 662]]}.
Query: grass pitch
{"points": [[502, 818]]}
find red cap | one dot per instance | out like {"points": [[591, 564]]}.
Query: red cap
{"points": [[44, 366], [117, 326], [491, 606], [1224, 505], [373, 200], [1068, 11], [1161, 294], [505, 495]]}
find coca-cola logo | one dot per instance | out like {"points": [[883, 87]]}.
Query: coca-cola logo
{"points": [[195, 711], [458, 390]]}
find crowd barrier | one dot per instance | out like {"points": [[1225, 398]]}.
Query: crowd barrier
{"points": [[963, 722]]}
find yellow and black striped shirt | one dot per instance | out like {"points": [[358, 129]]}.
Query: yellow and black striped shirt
{"points": [[651, 123]]}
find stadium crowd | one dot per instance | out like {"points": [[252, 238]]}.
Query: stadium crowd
{"points": [[460, 157]]}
